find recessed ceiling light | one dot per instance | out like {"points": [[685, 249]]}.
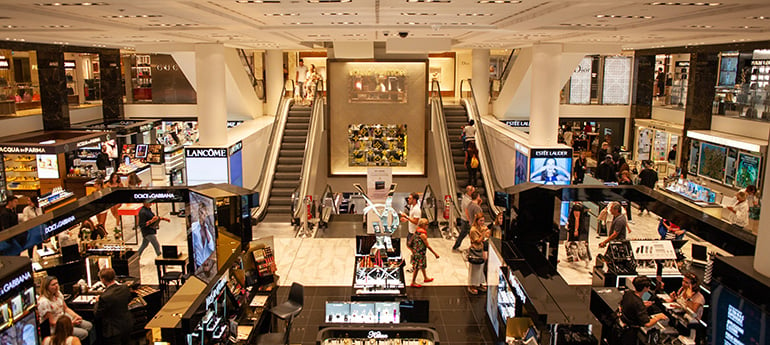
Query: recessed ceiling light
{"points": [[759, 17], [9, 27], [700, 26], [438, 1], [417, 14], [583, 24], [461, 24], [499, 1], [121, 16], [167, 25], [258, 1], [339, 13], [290, 14], [72, 4], [684, 3], [615, 16], [317, 35], [354, 35], [410, 23], [747, 27], [475, 14], [327, 1], [301, 23], [345, 23], [55, 26]]}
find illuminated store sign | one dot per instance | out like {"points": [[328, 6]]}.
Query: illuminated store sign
{"points": [[550, 153], [377, 335], [69, 64], [145, 128], [4, 64], [25, 149], [15, 282], [216, 291], [235, 148], [155, 196], [89, 142], [59, 225], [205, 152], [516, 123]]}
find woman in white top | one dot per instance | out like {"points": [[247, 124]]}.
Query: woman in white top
{"points": [[739, 212], [62, 334], [51, 306], [31, 211]]}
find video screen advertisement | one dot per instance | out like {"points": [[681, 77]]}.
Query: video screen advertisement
{"points": [[735, 320], [202, 236], [18, 318], [550, 166], [521, 168]]}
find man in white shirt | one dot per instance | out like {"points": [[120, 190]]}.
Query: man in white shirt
{"points": [[415, 213], [300, 78], [465, 225]]}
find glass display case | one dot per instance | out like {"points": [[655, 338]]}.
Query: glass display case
{"points": [[21, 171], [141, 79], [382, 335]]}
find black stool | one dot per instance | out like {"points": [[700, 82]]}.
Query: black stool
{"points": [[285, 311], [170, 277]]}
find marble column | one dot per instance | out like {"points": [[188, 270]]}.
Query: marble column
{"points": [[111, 84], [641, 93], [544, 111], [53, 88], [480, 79], [212, 107], [273, 79], [700, 97]]}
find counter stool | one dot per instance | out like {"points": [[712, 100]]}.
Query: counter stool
{"points": [[285, 311], [175, 277]]}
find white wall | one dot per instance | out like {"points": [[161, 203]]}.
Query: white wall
{"points": [[160, 110], [668, 115], [463, 60], [255, 136], [746, 128], [86, 114]]}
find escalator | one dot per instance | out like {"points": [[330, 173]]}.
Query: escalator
{"points": [[289, 165], [456, 117]]}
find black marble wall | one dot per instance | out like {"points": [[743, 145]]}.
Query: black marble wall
{"points": [[111, 84], [641, 94], [53, 88], [704, 67]]}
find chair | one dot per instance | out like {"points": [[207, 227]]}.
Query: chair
{"points": [[175, 277], [292, 307]]}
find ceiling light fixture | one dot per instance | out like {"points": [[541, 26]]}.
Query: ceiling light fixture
{"points": [[291, 14], [417, 14], [9, 27], [684, 3], [55, 26], [258, 1], [700, 26], [499, 1], [167, 25], [436, 1], [615, 16], [300, 23], [583, 24], [121, 16], [747, 27], [72, 4], [345, 23], [759, 17], [475, 14], [327, 1], [339, 13]]}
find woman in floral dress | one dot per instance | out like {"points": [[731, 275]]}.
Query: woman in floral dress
{"points": [[419, 246]]}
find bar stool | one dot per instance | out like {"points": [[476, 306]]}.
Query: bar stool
{"points": [[175, 277], [285, 311]]}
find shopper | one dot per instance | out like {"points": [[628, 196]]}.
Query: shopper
{"points": [[51, 307], [580, 168], [116, 322], [606, 170], [62, 334], [103, 159], [114, 182], [472, 162], [413, 217], [739, 211], [465, 225], [660, 82], [619, 225], [469, 134], [134, 180], [622, 166], [672, 155], [310, 84], [149, 224], [300, 77], [496, 226], [577, 223], [32, 210], [625, 179], [633, 311], [689, 295], [752, 199], [8, 219], [669, 231], [477, 256], [419, 246], [648, 178], [604, 150]]}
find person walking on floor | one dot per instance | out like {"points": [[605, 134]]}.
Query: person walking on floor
{"points": [[477, 255], [606, 171], [619, 225], [580, 168], [648, 178], [413, 217], [465, 225], [300, 78], [473, 209], [419, 246], [472, 162], [112, 310], [149, 224]]}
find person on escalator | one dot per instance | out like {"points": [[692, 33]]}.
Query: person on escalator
{"points": [[472, 162], [464, 224], [469, 134]]}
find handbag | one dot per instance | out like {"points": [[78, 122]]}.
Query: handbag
{"points": [[476, 256]]}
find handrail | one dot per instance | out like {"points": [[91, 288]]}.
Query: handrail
{"points": [[507, 67], [485, 160], [315, 126], [265, 182], [437, 106]]}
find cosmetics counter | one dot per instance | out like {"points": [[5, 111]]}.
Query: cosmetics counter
{"points": [[18, 303], [627, 259], [379, 271], [38, 162], [396, 335]]}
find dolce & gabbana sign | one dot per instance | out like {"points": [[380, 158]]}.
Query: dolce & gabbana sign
{"points": [[200, 152], [15, 282], [63, 223], [551, 153]]}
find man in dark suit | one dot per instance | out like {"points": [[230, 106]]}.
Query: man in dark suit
{"points": [[112, 310]]}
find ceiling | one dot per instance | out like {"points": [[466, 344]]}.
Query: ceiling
{"points": [[303, 24]]}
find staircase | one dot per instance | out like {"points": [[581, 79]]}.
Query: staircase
{"points": [[289, 165], [456, 117]]}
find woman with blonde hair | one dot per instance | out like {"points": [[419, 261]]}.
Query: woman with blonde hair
{"points": [[51, 307], [477, 255]]}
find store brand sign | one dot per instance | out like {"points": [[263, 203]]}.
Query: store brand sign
{"points": [[145, 128], [15, 282], [516, 123], [4, 64], [155, 196], [26, 149], [198, 152], [69, 64], [58, 225], [235, 148], [551, 153], [760, 62], [377, 335], [216, 291], [88, 142]]}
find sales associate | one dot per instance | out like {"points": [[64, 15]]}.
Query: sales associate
{"points": [[689, 295], [634, 310]]}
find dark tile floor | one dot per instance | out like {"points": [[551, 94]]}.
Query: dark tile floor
{"points": [[457, 316]]}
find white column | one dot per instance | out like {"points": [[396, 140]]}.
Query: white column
{"points": [[212, 98], [480, 79], [544, 113], [761, 254], [273, 79]]}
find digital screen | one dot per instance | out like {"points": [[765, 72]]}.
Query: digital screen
{"points": [[732, 158], [728, 68], [236, 168], [141, 151], [692, 165], [551, 170], [22, 332], [47, 166], [337, 312], [748, 170], [202, 236], [563, 213], [712, 161], [735, 320], [112, 148], [414, 311], [521, 168], [154, 154]]}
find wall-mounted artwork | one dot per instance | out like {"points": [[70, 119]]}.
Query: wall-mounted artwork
{"points": [[377, 145], [377, 85]]}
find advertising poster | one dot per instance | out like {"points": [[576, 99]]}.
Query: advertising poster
{"points": [[551, 166], [712, 161], [738, 321], [206, 165], [644, 144], [47, 166], [660, 144], [692, 166], [521, 168], [202, 236], [748, 170], [617, 74], [377, 145], [112, 148], [377, 84], [730, 168], [580, 83], [728, 68]]}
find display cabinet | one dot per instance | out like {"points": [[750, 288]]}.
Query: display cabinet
{"points": [[380, 335], [141, 79], [21, 172]]}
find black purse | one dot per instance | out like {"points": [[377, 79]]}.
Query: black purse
{"points": [[476, 257]]}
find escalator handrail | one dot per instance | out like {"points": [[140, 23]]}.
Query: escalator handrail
{"points": [[443, 139], [485, 160], [507, 67], [329, 193], [266, 175], [316, 120]]}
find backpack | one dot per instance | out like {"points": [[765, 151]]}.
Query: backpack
{"points": [[474, 162]]}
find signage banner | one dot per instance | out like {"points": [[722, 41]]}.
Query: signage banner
{"points": [[203, 152], [140, 195], [516, 123], [13, 149], [14, 282], [235, 148], [550, 166]]}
